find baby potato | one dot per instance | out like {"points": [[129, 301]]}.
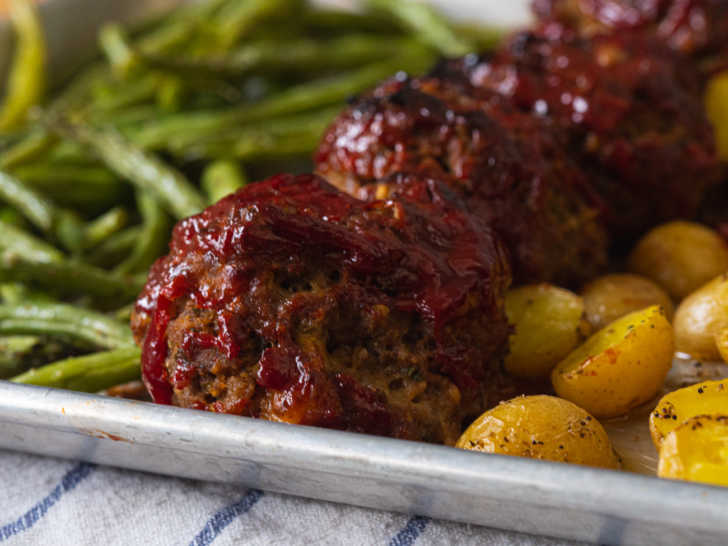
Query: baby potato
{"points": [[541, 427], [705, 398], [716, 106], [721, 341], [680, 257], [619, 367], [700, 318], [697, 451], [548, 323], [612, 296]]}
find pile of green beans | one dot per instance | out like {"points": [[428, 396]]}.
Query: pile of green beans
{"points": [[172, 115]]}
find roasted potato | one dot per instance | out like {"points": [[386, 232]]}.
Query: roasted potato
{"points": [[721, 341], [612, 296], [701, 318], [716, 106], [548, 323], [697, 451], [620, 367], [704, 398], [680, 257], [541, 427]]}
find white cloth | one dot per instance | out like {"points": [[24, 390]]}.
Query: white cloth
{"points": [[51, 501]]}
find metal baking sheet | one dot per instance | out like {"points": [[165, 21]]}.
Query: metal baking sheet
{"points": [[560, 500], [507, 492]]}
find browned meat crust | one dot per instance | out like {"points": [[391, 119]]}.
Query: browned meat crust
{"points": [[631, 112], [696, 27], [293, 302], [509, 167]]}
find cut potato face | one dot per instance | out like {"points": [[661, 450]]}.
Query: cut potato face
{"points": [[704, 398], [619, 367], [697, 451], [701, 318], [612, 296], [548, 323], [541, 427], [680, 257]]}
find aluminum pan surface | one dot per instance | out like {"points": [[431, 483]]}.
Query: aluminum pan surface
{"points": [[508, 492]]}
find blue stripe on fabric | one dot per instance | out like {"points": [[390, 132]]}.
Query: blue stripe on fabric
{"points": [[217, 523], [68, 483], [410, 532]]}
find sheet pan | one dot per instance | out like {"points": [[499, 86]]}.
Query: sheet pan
{"points": [[506, 492]]}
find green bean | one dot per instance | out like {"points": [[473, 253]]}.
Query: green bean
{"points": [[483, 38], [303, 56], [67, 321], [328, 20], [27, 77], [123, 94], [278, 138], [61, 223], [104, 226], [115, 248], [22, 243], [38, 141], [123, 314], [17, 293], [143, 169], [11, 216], [236, 19], [89, 187], [114, 44], [13, 353], [221, 178], [69, 278], [424, 21], [152, 239], [306, 96], [90, 373]]}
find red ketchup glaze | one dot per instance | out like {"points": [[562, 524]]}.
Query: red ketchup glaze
{"points": [[421, 255]]}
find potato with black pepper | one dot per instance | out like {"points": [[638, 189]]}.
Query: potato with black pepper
{"points": [[680, 256], [697, 451], [548, 322], [700, 319], [673, 409], [620, 367], [541, 427], [612, 296]]}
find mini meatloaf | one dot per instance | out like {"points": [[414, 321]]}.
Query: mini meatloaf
{"points": [[291, 301], [632, 112], [509, 167], [697, 27]]}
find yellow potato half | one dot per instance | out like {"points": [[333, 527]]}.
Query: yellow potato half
{"points": [[716, 106], [541, 427], [704, 398], [612, 296], [680, 257], [620, 367], [700, 318], [548, 323], [697, 451]]}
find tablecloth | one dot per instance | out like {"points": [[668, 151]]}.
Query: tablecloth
{"points": [[52, 501]]}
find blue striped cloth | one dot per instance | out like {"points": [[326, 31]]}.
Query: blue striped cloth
{"points": [[50, 501]]}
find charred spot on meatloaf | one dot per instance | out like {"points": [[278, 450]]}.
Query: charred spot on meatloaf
{"points": [[633, 115], [509, 168], [291, 301]]}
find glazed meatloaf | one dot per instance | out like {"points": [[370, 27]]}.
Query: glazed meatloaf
{"points": [[510, 168], [291, 301], [632, 112], [696, 27]]}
